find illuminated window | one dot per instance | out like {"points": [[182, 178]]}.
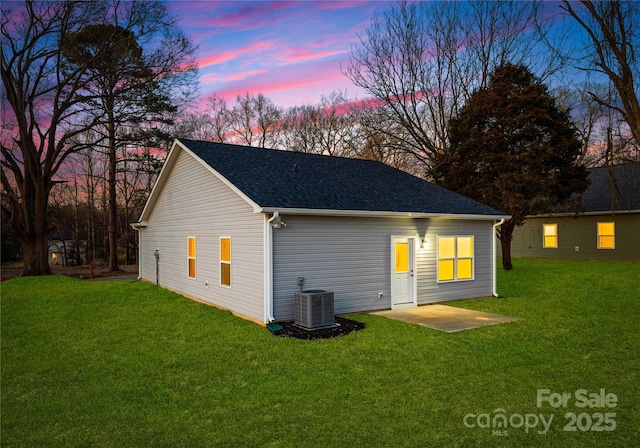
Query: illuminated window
{"points": [[550, 235], [191, 256], [606, 235], [402, 257], [225, 261], [455, 258]]}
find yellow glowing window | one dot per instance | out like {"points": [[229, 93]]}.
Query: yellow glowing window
{"points": [[550, 235], [447, 247], [191, 257], [606, 235], [455, 258], [225, 261], [402, 257], [465, 269], [445, 270], [465, 247]]}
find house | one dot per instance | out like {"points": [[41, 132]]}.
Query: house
{"points": [[606, 228], [67, 248], [245, 228]]}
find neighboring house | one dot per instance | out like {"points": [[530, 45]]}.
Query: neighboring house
{"points": [[245, 228], [63, 250], [607, 227]]}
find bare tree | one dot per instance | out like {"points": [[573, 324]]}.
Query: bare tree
{"points": [[43, 104], [126, 86], [298, 129], [254, 120], [93, 169], [611, 46], [137, 173], [386, 147], [267, 120], [423, 60], [219, 119], [326, 128], [587, 115]]}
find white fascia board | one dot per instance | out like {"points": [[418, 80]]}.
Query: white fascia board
{"points": [[375, 214]]}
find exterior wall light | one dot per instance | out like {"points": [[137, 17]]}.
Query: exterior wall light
{"points": [[278, 223]]}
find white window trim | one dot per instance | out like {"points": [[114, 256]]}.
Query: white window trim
{"points": [[455, 259], [230, 262], [544, 235], [195, 243], [598, 235]]}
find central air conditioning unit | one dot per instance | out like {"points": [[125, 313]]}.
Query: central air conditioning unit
{"points": [[313, 309]]}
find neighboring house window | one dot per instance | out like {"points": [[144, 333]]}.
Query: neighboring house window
{"points": [[606, 235], [225, 261], [191, 256], [550, 236], [455, 258]]}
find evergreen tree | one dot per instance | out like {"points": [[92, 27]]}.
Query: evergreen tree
{"points": [[512, 147], [127, 91]]}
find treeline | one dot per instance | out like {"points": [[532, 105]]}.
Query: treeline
{"points": [[96, 91]]}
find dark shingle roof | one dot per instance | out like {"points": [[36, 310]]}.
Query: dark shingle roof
{"points": [[598, 196], [284, 179]]}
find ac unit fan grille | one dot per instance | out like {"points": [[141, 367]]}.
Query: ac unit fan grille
{"points": [[314, 309]]}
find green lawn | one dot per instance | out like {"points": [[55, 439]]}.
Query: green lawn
{"points": [[114, 364]]}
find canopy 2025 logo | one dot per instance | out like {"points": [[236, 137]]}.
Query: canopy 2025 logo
{"points": [[583, 399], [499, 422]]}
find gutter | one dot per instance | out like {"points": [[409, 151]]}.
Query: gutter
{"points": [[138, 227], [375, 214], [494, 235], [597, 213]]}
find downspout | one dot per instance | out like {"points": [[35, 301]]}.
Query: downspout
{"points": [[494, 235], [268, 268], [138, 228]]}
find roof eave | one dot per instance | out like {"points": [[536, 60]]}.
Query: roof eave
{"points": [[595, 213], [376, 213]]}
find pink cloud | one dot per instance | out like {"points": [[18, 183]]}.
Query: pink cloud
{"points": [[290, 85], [295, 55], [290, 51], [235, 53], [235, 76]]}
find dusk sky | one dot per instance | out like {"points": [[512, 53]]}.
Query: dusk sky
{"points": [[291, 51]]}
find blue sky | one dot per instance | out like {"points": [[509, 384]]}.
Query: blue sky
{"points": [[291, 51]]}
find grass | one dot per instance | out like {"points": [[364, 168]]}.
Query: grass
{"points": [[114, 364]]}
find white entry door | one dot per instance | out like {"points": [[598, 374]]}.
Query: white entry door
{"points": [[402, 272]]}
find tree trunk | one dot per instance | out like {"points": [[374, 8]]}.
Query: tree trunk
{"points": [[113, 206], [30, 224], [35, 254], [506, 235]]}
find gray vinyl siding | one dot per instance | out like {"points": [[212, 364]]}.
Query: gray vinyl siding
{"points": [[352, 258], [580, 232], [194, 202], [429, 290]]}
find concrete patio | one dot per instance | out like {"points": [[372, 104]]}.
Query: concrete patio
{"points": [[445, 318]]}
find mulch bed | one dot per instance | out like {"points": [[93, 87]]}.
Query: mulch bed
{"points": [[347, 326]]}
